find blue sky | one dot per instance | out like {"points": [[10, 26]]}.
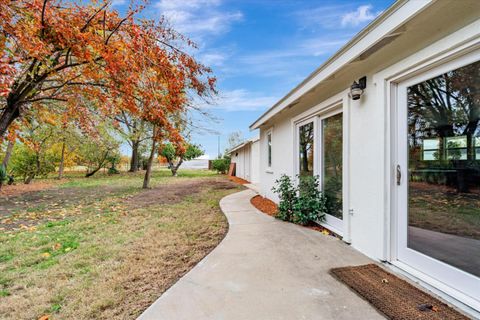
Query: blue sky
{"points": [[260, 50]]}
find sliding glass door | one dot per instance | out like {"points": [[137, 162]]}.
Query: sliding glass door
{"points": [[438, 176], [320, 153]]}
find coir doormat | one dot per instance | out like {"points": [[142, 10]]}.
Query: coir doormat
{"points": [[394, 297]]}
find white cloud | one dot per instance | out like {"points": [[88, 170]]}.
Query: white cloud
{"points": [[242, 100], [118, 2], [289, 61], [335, 16], [198, 18], [361, 15], [213, 59]]}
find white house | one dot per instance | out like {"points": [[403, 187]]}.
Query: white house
{"points": [[246, 157], [401, 164]]}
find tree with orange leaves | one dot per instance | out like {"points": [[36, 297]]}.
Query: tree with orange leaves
{"points": [[92, 60]]}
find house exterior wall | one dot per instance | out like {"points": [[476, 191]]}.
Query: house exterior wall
{"points": [[255, 162], [368, 133], [247, 161]]}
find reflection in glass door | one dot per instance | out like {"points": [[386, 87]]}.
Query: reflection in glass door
{"points": [[439, 217], [332, 150], [306, 149]]}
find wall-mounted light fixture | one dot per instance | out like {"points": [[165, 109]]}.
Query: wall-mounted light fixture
{"points": [[356, 89]]}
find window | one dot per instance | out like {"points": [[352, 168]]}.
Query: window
{"points": [[456, 148], [431, 149], [269, 149], [305, 143], [477, 148]]}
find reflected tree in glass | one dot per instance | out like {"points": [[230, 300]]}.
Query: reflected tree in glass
{"points": [[332, 163], [306, 151], [444, 164]]}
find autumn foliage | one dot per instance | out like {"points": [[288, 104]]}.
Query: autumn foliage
{"points": [[80, 61]]}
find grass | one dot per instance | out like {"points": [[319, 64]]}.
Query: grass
{"points": [[440, 209], [110, 259]]}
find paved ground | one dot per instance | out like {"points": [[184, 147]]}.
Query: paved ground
{"points": [[265, 269]]}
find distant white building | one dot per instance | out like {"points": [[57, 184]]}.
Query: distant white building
{"points": [[246, 157]]}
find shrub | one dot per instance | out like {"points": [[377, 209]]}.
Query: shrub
{"points": [[221, 165], [311, 203], [287, 194], [302, 204], [3, 175]]}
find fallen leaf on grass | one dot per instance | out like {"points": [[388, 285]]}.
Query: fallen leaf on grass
{"points": [[46, 254], [45, 317]]}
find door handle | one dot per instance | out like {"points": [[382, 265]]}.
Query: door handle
{"points": [[399, 175]]}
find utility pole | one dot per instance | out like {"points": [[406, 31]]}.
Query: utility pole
{"points": [[218, 156]]}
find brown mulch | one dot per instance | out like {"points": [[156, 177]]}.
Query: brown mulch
{"points": [[238, 180], [269, 207], [394, 297], [265, 205]]}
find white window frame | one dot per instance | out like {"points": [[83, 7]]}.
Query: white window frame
{"points": [[339, 226], [269, 148]]}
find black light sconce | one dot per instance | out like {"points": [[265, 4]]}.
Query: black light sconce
{"points": [[356, 89]]}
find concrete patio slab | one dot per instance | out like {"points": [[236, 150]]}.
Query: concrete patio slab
{"points": [[265, 269]]}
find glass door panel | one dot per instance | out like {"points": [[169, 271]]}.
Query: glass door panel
{"points": [[444, 168], [332, 150], [306, 149]]}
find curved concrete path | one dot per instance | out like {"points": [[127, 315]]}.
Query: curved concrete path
{"points": [[265, 269]]}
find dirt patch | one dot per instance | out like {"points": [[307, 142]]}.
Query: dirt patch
{"points": [[175, 192], [265, 205], [392, 296], [35, 207], [19, 189], [238, 180]]}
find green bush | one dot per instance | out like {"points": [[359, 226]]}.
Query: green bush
{"points": [[287, 194], [3, 175], [302, 204], [311, 203], [221, 165]]}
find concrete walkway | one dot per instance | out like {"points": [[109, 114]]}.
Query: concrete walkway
{"points": [[265, 269]]}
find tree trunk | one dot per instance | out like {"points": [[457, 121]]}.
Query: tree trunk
{"points": [[91, 173], [135, 156], [8, 154], [100, 166], [148, 173], [62, 162], [174, 168], [32, 175], [8, 115]]}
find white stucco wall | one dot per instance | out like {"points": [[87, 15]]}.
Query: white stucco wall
{"points": [[255, 161], [368, 166], [247, 161]]}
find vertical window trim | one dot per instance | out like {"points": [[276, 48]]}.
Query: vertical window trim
{"points": [[269, 150]]}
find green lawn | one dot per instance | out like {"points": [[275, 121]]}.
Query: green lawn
{"points": [[104, 248]]}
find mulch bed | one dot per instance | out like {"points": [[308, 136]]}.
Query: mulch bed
{"points": [[265, 205], [238, 180], [392, 296], [269, 207]]}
